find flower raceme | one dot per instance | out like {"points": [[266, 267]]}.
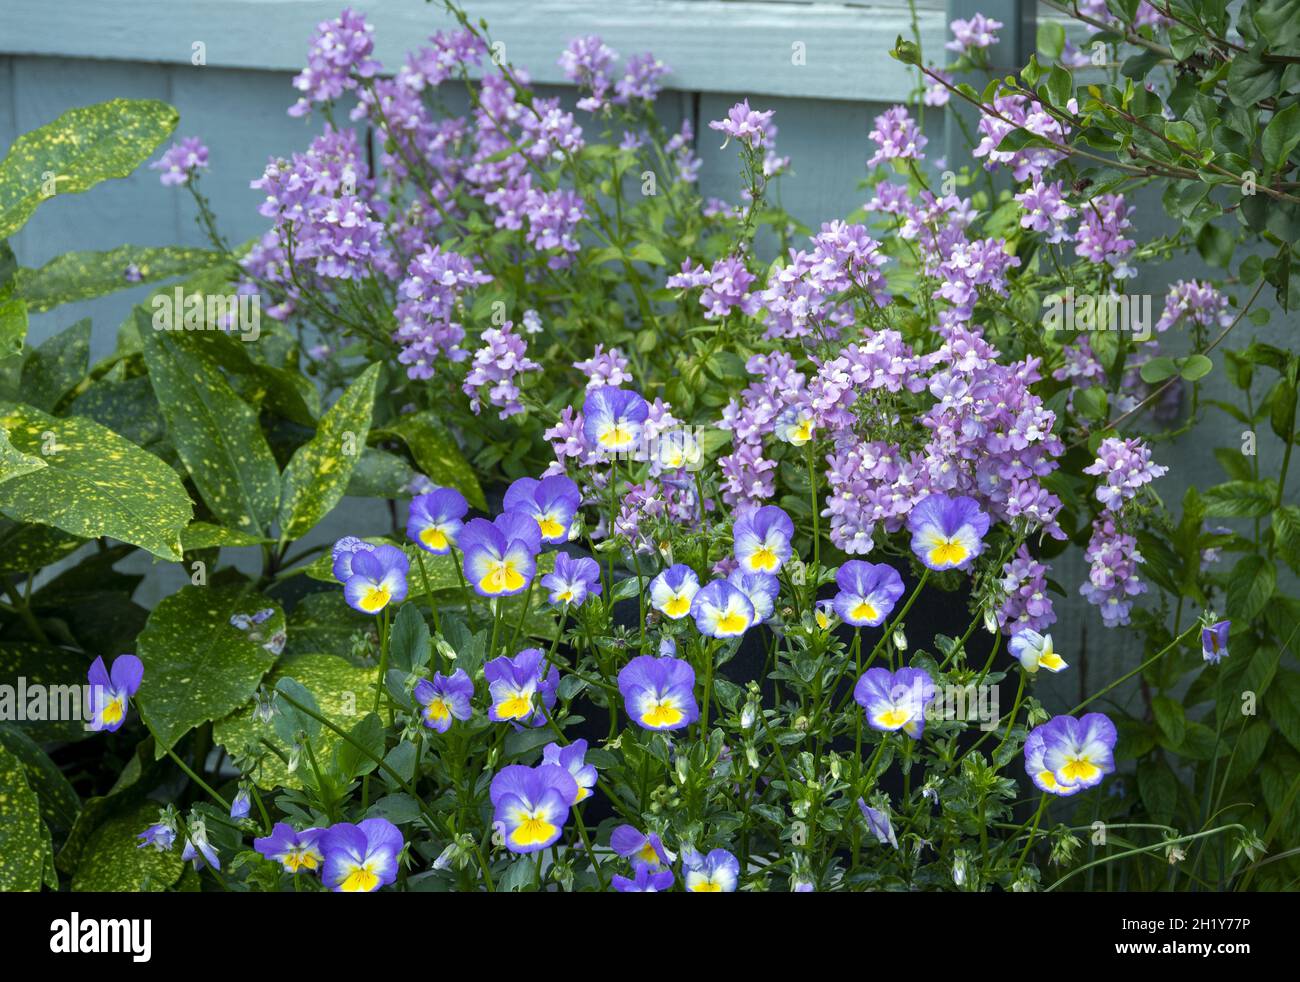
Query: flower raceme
{"points": [[110, 691], [868, 592], [512, 684], [1066, 755], [500, 556], [947, 532], [659, 693], [531, 804], [434, 520]]}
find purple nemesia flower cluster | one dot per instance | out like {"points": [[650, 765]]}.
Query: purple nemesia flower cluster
{"points": [[1100, 238], [181, 161], [1026, 604], [1014, 111], [1126, 466], [1112, 575], [973, 34], [897, 137], [498, 364], [431, 293], [1046, 210], [339, 55], [1197, 302]]}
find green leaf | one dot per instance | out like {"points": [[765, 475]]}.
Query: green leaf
{"points": [[1051, 40], [1283, 704], [1250, 586], [62, 673], [323, 621], [56, 366], [380, 474], [1158, 369], [1286, 535], [197, 665], [96, 483], [78, 150], [216, 433], [15, 463], [13, 327], [204, 535], [344, 695], [81, 275], [437, 455], [647, 253], [1281, 136], [58, 799], [126, 406], [1239, 499], [409, 642], [318, 473], [1158, 788], [113, 862], [1195, 367], [25, 548], [1170, 719], [25, 851]]}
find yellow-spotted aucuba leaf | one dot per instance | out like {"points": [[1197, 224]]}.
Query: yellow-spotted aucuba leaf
{"points": [[25, 547], [24, 840], [318, 473], [59, 801], [75, 152], [15, 463], [437, 455], [380, 474], [344, 695], [216, 433], [13, 326], [205, 535], [81, 275], [56, 366], [94, 483], [198, 666], [113, 862], [127, 406], [60, 714]]}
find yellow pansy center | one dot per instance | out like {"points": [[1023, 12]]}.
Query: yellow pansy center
{"points": [[1080, 769], [615, 436], [705, 886], [661, 714], [516, 706], [114, 711], [764, 560], [864, 612], [374, 599], [948, 552], [893, 718], [678, 605], [361, 880], [299, 858], [801, 433], [532, 830], [502, 577], [437, 711], [551, 529], [434, 537], [648, 853], [732, 622]]}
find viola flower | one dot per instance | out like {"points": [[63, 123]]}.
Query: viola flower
{"points": [[947, 533], [673, 590], [573, 759], [761, 589], [434, 520], [718, 872], [240, 807], [645, 880], [295, 851], [1035, 651], [197, 847], [378, 579], [761, 540], [572, 580], [344, 551], [878, 822], [552, 502], [160, 835], [532, 804], [1066, 755], [613, 419], [824, 614], [659, 693], [500, 556], [895, 701], [722, 611], [111, 691], [444, 698], [1214, 641], [794, 426], [360, 858], [512, 683], [643, 849], [868, 592]]}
